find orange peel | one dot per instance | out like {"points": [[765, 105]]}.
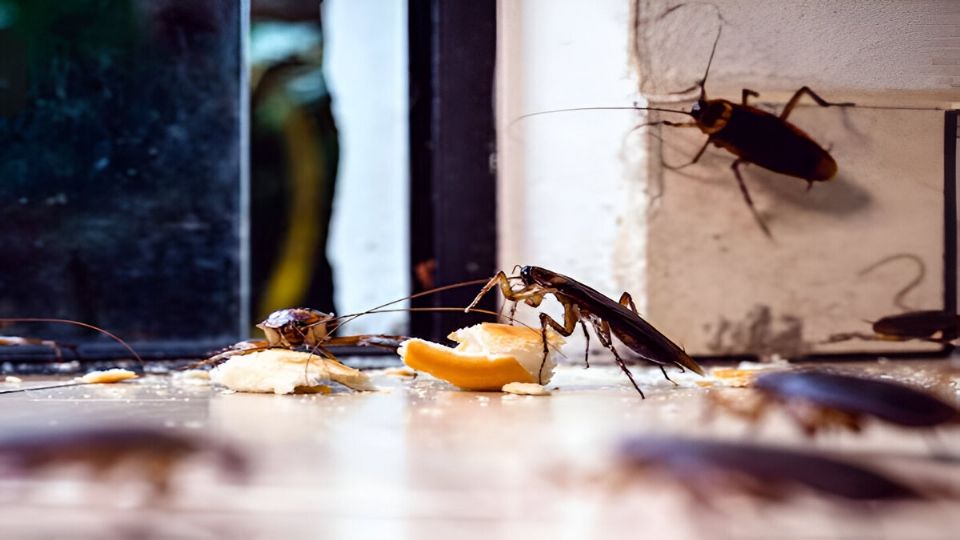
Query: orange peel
{"points": [[487, 357]]}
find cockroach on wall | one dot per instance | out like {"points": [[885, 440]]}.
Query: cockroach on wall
{"points": [[751, 134], [822, 399], [582, 304], [934, 326], [757, 136], [931, 325]]}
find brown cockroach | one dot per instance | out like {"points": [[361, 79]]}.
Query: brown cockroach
{"points": [[935, 326], [822, 399], [765, 472], [932, 325], [756, 136], [9, 340], [582, 304], [293, 328], [751, 134], [152, 453], [313, 330]]}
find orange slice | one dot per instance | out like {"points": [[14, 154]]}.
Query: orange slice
{"points": [[488, 357]]}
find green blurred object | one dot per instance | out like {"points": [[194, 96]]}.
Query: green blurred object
{"points": [[294, 151]]}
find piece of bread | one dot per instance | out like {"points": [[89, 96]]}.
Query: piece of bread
{"points": [[487, 357], [283, 371]]}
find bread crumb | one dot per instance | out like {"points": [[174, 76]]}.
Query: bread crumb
{"points": [[733, 377], [192, 377], [282, 371], [109, 376], [399, 372], [525, 389]]}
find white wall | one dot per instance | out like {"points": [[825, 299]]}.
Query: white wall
{"points": [[563, 185], [366, 68]]}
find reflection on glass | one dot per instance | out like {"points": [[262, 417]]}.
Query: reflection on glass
{"points": [[119, 166]]}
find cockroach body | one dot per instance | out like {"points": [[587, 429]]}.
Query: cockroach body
{"points": [[582, 304], [703, 467], [935, 326], [293, 328], [156, 453], [819, 399], [931, 325]]}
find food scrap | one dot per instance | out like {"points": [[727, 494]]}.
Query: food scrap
{"points": [[525, 389], [737, 378], [487, 357], [192, 377], [108, 376], [283, 371], [400, 372]]}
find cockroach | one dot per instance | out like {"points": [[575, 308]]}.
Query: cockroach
{"points": [[821, 399], [17, 341], [154, 453], [307, 328], [766, 472], [751, 134], [294, 328], [935, 326], [582, 304], [7, 340], [756, 136]]}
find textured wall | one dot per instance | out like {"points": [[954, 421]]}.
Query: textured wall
{"points": [[574, 186]]}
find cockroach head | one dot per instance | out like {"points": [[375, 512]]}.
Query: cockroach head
{"points": [[533, 275], [711, 115]]}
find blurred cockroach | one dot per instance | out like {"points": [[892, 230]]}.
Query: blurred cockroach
{"points": [[582, 304], [8, 340], [16, 341], [819, 399], [708, 467], [152, 453]]}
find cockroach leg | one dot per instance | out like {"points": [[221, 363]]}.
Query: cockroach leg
{"points": [[602, 328], [627, 301], [813, 95], [695, 159], [747, 93], [586, 348], [746, 196], [667, 123], [665, 376], [570, 317]]}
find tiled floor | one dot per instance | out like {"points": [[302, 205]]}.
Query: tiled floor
{"points": [[419, 459]]}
